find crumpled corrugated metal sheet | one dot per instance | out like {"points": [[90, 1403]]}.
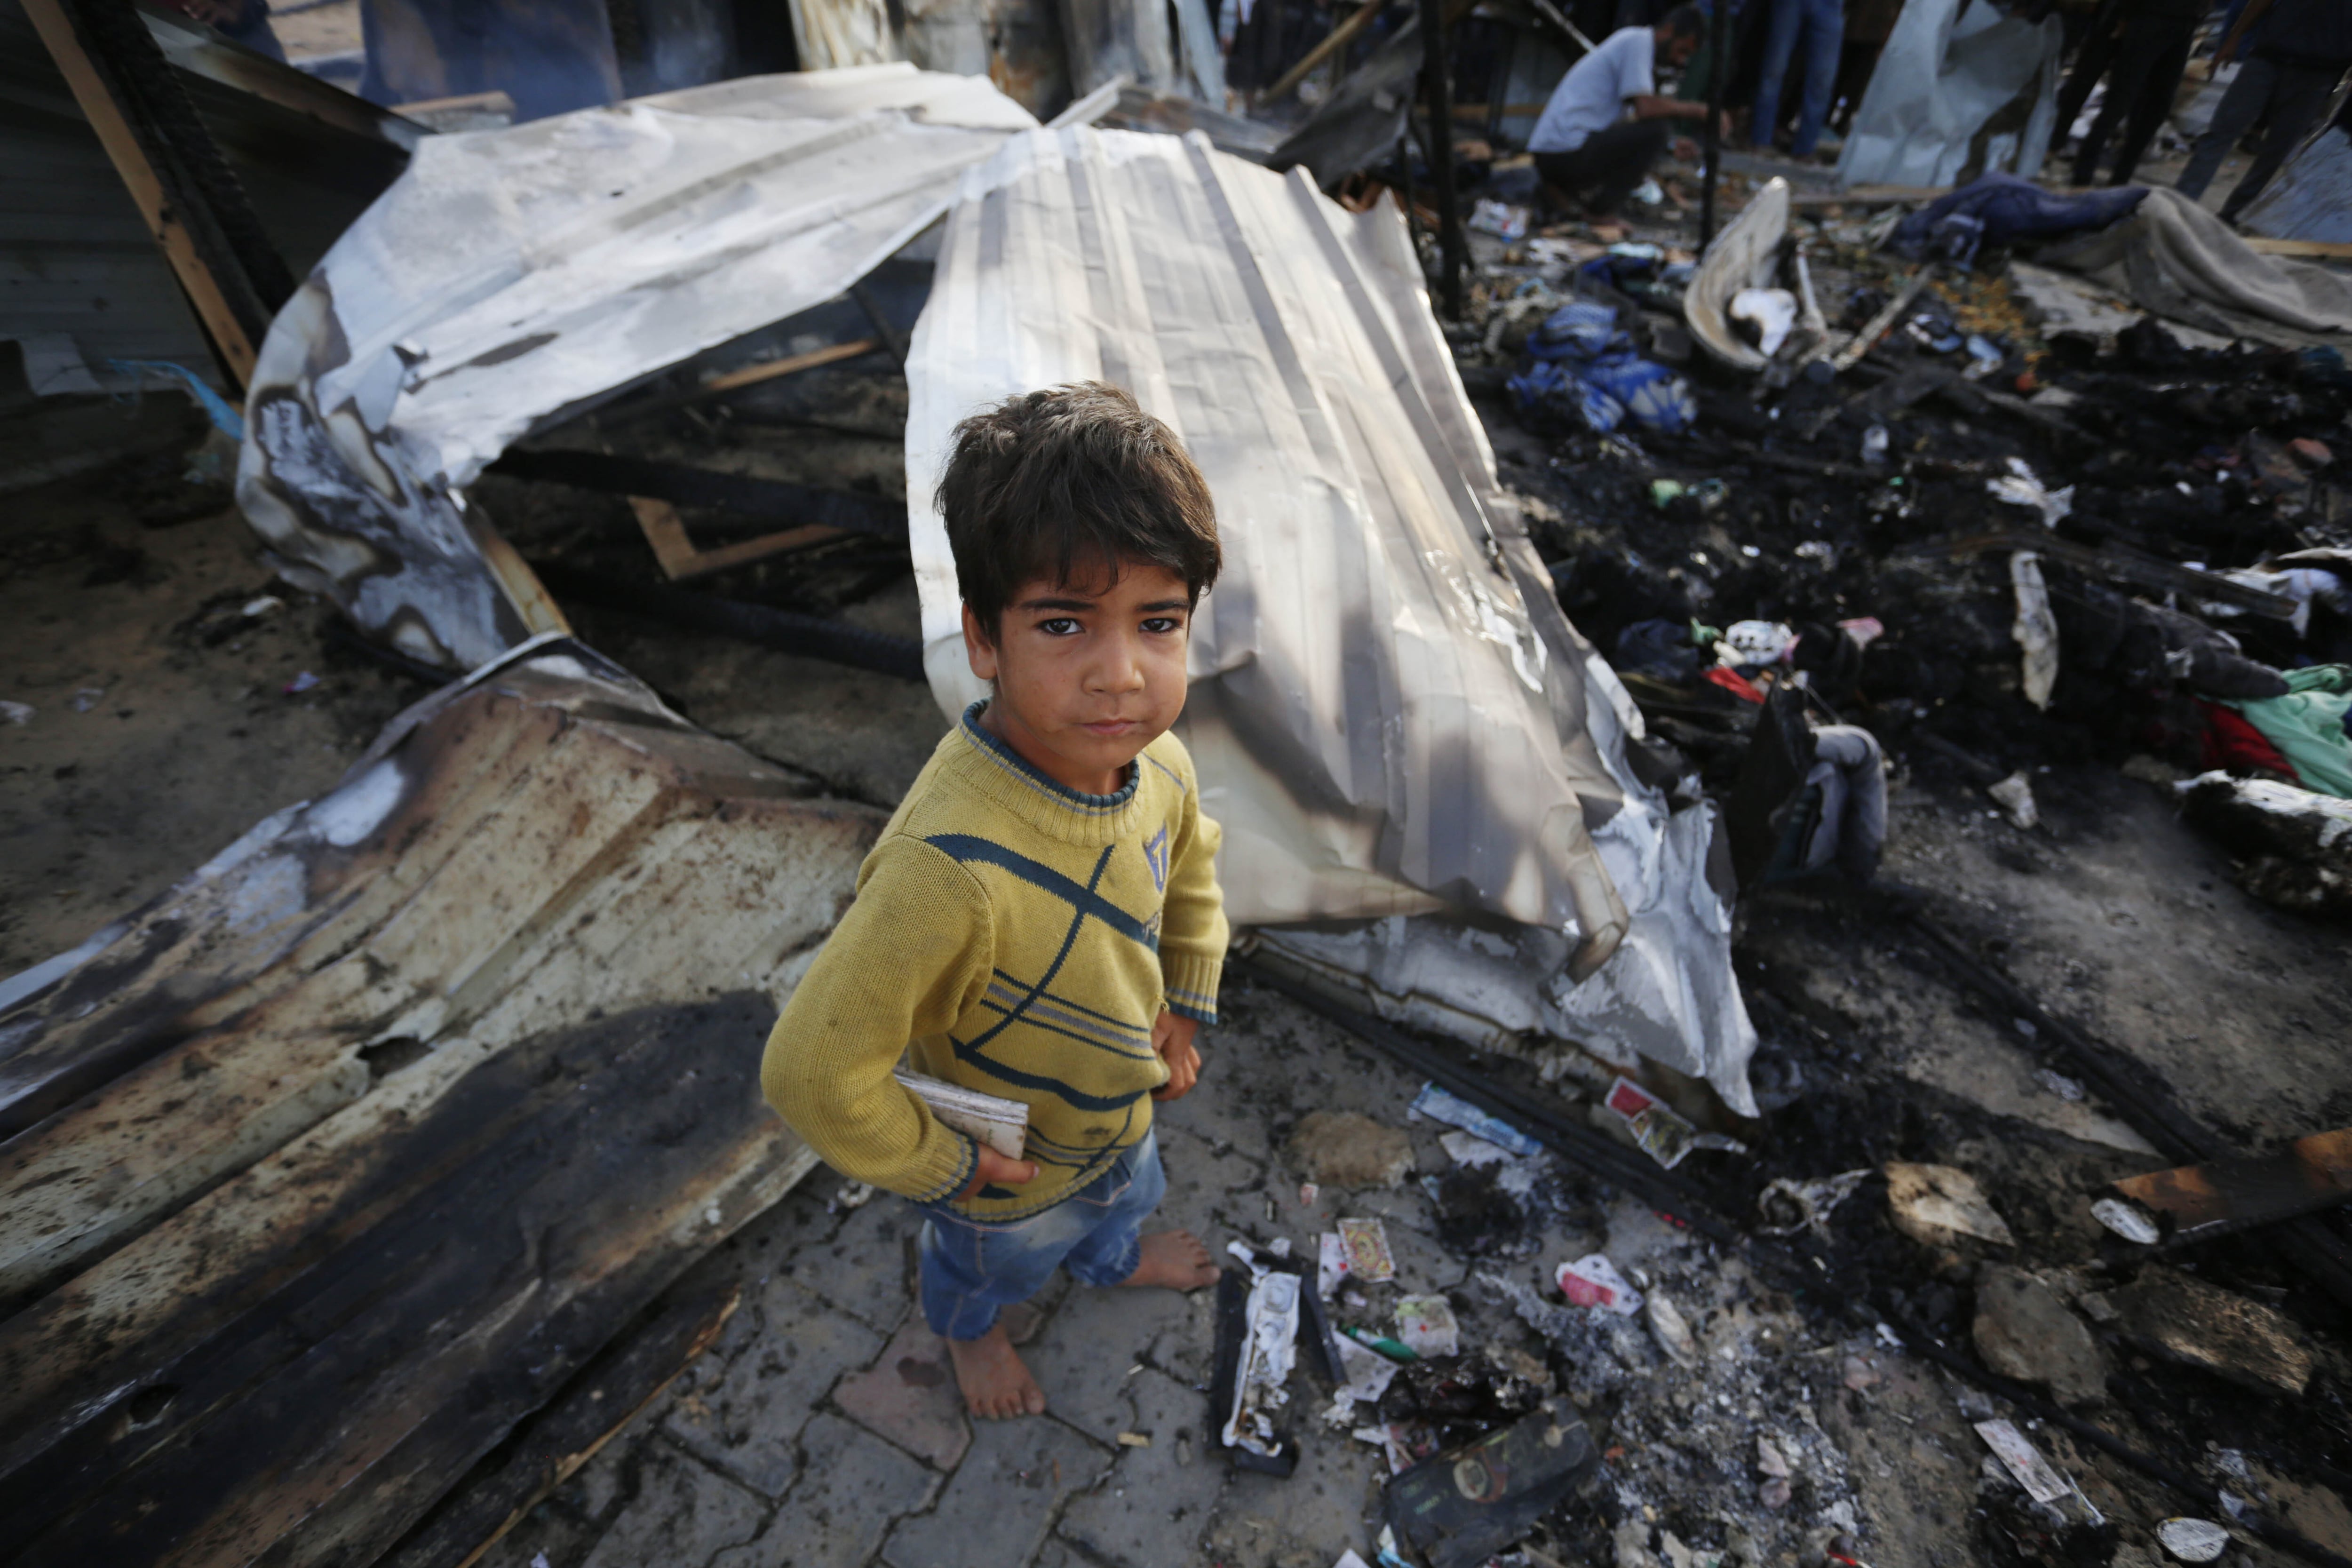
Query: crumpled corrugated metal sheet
{"points": [[1390, 713], [512, 277]]}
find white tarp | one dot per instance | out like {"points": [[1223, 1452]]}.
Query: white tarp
{"points": [[512, 277], [1960, 89], [1390, 713]]}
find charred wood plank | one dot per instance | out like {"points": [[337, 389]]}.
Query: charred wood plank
{"points": [[2224, 1195], [359, 1395], [592, 1410]]}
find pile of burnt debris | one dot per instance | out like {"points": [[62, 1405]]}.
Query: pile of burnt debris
{"points": [[1953, 514]]}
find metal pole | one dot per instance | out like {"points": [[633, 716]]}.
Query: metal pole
{"points": [[1451, 245], [1719, 68]]}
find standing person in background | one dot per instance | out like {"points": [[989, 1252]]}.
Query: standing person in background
{"points": [[1582, 144], [1822, 23], [2150, 57], [1868, 24], [2292, 74]]}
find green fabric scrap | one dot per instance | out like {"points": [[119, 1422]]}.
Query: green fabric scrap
{"points": [[2307, 725]]}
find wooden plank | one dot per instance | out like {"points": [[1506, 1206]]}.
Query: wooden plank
{"points": [[362, 1393], [124, 148], [2307, 249], [753, 374], [1337, 38], [664, 529], [2224, 1195], [590, 1413]]}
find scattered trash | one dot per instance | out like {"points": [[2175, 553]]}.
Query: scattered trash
{"points": [[1257, 1342], [1307, 1193], [303, 682], [2128, 1220], [1134, 1440], [1443, 1105], [2014, 794], [1770, 314], [2024, 1461], [2058, 1083], [2020, 488], [1942, 1206], [88, 697], [2193, 1539], [1786, 1206], [1586, 370], [1593, 1281], [254, 609], [1331, 1263], [2035, 628], [1874, 445], [17, 712], [1770, 1461], [1500, 219], [1748, 642], [1673, 1334], [1463, 1506], [1349, 1559], [1469, 1148], [851, 1195], [1341, 1149], [1394, 1350], [1426, 1325], [1365, 1244], [1366, 1374], [1659, 1132]]}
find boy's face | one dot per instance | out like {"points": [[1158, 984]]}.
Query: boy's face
{"points": [[1087, 673]]}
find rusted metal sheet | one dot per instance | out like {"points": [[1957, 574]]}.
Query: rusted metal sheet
{"points": [[340, 1157], [2221, 1196]]}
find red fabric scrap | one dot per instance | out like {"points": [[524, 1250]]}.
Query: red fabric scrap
{"points": [[2235, 746], [1740, 686]]}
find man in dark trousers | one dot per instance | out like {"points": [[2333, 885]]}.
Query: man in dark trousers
{"points": [[1582, 143], [2293, 72], [2150, 56]]}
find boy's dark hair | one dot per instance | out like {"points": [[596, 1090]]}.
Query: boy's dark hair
{"points": [[1687, 21], [1068, 481]]}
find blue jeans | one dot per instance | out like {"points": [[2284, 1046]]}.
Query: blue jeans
{"points": [[1823, 24], [972, 1268]]}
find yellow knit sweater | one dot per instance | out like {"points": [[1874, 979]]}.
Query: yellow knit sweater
{"points": [[1018, 938]]}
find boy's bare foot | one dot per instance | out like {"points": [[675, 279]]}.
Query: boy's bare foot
{"points": [[994, 1379], [1175, 1260]]}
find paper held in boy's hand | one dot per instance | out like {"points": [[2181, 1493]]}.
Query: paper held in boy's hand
{"points": [[1002, 1124]]}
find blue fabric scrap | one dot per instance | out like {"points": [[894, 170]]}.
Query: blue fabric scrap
{"points": [[2011, 209]]}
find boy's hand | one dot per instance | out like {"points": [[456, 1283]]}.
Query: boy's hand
{"points": [[993, 1166], [1172, 1036]]}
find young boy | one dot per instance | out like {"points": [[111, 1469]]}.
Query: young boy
{"points": [[1041, 919]]}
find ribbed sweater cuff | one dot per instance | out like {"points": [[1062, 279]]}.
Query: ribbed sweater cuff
{"points": [[968, 1160], [1192, 984]]}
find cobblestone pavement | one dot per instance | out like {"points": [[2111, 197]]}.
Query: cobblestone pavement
{"points": [[824, 1429]]}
